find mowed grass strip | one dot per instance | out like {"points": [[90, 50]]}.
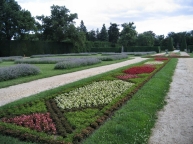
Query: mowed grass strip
{"points": [[132, 124]]}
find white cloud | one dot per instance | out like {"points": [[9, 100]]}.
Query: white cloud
{"points": [[160, 16], [165, 25]]}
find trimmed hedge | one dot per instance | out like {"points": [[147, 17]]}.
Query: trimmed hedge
{"points": [[142, 49], [190, 47], [28, 48], [106, 49]]}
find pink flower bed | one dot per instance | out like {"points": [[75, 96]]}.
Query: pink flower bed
{"points": [[160, 59], [37, 121], [127, 76], [140, 69]]}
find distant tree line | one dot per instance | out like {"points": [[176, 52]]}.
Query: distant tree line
{"points": [[18, 24]]}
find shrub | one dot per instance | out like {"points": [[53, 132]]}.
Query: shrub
{"points": [[16, 71], [41, 60], [11, 58], [45, 55], [76, 63]]}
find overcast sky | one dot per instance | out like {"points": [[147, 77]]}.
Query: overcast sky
{"points": [[159, 16]]}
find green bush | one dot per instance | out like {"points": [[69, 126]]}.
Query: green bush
{"points": [[16, 71], [142, 49], [190, 47], [106, 49], [28, 48], [77, 62]]}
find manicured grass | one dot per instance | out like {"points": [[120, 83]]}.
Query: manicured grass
{"points": [[191, 55], [117, 130], [134, 121], [47, 70], [11, 140]]}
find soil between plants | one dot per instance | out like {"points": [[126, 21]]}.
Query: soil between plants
{"points": [[175, 120]]}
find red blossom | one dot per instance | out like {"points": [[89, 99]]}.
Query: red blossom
{"points": [[140, 69], [37, 121], [127, 76], [160, 59]]}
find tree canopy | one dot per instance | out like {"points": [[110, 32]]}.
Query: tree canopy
{"points": [[56, 26], [128, 35], [113, 32], [14, 21]]}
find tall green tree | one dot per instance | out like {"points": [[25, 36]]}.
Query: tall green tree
{"points": [[158, 40], [92, 35], [14, 21], [77, 37], [146, 39], [170, 44], [55, 27], [184, 44], [83, 27], [128, 35], [103, 34], [113, 33], [97, 35]]}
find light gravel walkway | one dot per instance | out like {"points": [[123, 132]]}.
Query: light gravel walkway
{"points": [[16, 92], [175, 121]]}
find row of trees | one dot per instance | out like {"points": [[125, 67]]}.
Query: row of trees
{"points": [[18, 24]]}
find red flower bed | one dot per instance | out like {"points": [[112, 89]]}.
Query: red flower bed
{"points": [[140, 69], [39, 122], [127, 76], [160, 59]]}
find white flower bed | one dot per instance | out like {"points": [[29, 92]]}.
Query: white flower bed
{"points": [[154, 62], [97, 93]]}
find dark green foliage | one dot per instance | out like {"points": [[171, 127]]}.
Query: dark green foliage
{"points": [[28, 48], [83, 27], [190, 47], [184, 44], [28, 108], [128, 35], [170, 46], [146, 39], [62, 124], [56, 26], [14, 22], [106, 49], [141, 49], [92, 36], [113, 33], [103, 34]]}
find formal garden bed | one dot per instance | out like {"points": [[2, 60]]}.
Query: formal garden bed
{"points": [[71, 115]]}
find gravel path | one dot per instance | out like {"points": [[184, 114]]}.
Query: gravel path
{"points": [[16, 92], [175, 121]]}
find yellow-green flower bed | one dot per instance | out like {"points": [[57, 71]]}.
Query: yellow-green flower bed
{"points": [[97, 93], [154, 62]]}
